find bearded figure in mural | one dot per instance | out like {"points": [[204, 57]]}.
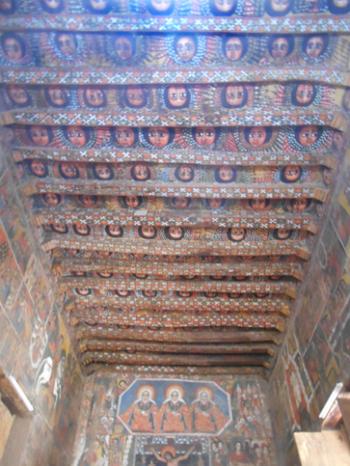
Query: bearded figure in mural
{"points": [[206, 415], [174, 415], [142, 415]]}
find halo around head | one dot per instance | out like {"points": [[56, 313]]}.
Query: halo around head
{"points": [[207, 390], [143, 388], [172, 388]]}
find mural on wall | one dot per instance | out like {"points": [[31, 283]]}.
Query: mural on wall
{"points": [[155, 421], [172, 406], [171, 451], [310, 380], [34, 344]]}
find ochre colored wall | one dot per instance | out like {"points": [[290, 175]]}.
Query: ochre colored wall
{"points": [[34, 344], [316, 353], [110, 400]]}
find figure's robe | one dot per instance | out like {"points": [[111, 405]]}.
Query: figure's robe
{"points": [[141, 417], [207, 417], [174, 417]]}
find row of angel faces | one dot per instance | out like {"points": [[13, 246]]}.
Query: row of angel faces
{"points": [[175, 232], [51, 49], [132, 202], [227, 96], [186, 173], [285, 139], [223, 8]]}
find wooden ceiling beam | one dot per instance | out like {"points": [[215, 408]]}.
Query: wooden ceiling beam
{"points": [[185, 335], [138, 346], [161, 189], [195, 304], [269, 248], [166, 156], [174, 359], [291, 24], [187, 218], [171, 371], [250, 268], [286, 117], [275, 287], [62, 254], [108, 77], [179, 320]]}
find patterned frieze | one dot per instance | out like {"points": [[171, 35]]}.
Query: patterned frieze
{"points": [[300, 22], [177, 154], [138, 333], [182, 320], [225, 348], [205, 268], [212, 301], [192, 117], [173, 360], [248, 74], [231, 190], [83, 284], [168, 218]]}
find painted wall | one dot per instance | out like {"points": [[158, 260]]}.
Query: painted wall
{"points": [[34, 344], [219, 420], [316, 354]]}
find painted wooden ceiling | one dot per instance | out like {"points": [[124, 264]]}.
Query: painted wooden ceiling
{"points": [[178, 158]]}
